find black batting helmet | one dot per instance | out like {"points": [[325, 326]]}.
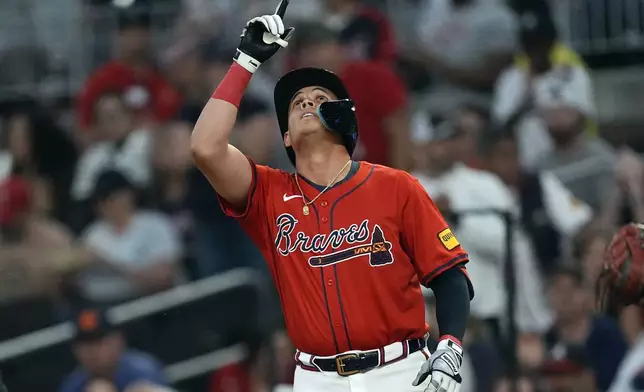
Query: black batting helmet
{"points": [[338, 116]]}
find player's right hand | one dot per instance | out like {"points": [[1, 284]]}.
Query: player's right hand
{"points": [[262, 37]]}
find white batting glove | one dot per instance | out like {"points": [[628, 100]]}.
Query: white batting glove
{"points": [[442, 368]]}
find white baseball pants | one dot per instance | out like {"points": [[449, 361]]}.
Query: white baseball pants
{"points": [[395, 377]]}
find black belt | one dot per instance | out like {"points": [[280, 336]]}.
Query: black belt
{"points": [[353, 363]]}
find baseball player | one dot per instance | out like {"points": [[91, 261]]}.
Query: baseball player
{"points": [[622, 284], [348, 243]]}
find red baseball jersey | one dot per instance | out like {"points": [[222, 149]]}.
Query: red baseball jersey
{"points": [[348, 273]]}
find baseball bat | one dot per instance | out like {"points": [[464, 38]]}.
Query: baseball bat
{"points": [[281, 8]]}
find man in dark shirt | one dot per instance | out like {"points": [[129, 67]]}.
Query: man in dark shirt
{"points": [[102, 354], [575, 325]]}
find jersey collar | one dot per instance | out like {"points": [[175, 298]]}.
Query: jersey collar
{"points": [[356, 175]]}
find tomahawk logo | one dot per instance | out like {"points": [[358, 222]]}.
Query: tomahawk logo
{"points": [[331, 248]]}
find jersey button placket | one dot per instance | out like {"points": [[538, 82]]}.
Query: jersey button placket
{"points": [[324, 204]]}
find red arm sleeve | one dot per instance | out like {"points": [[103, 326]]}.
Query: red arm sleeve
{"points": [[431, 244], [390, 95]]}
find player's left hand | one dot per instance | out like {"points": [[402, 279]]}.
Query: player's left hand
{"points": [[442, 368]]}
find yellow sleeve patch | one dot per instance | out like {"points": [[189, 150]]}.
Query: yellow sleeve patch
{"points": [[448, 239]]}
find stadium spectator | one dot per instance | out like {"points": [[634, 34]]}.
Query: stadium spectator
{"points": [[104, 361], [171, 192], [530, 351], [544, 63], [365, 32], [31, 244], [381, 108], [137, 251], [124, 147], [568, 369], [575, 325], [471, 121], [550, 219], [585, 165], [132, 74], [474, 122], [464, 51], [589, 250], [626, 203], [32, 146], [457, 189]]}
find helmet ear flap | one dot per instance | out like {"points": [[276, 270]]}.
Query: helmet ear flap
{"points": [[339, 116]]}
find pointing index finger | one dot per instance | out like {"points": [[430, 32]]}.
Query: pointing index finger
{"points": [[281, 8]]}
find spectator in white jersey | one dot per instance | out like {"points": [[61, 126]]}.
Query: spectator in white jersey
{"points": [[457, 189], [550, 218]]}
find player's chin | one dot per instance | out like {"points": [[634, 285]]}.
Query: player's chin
{"points": [[310, 126]]}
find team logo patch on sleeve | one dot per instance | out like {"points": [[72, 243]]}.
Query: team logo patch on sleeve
{"points": [[448, 239]]}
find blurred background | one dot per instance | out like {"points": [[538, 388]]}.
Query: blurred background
{"points": [[119, 272]]}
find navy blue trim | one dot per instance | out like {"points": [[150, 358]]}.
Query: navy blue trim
{"points": [[460, 259], [355, 166], [335, 266]]}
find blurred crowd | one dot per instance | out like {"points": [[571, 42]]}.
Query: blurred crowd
{"points": [[482, 101]]}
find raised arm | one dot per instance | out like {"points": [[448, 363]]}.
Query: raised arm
{"points": [[225, 167]]}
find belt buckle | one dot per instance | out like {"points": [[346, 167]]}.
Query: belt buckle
{"points": [[339, 364]]}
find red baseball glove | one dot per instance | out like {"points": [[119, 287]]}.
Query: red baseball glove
{"points": [[622, 281]]}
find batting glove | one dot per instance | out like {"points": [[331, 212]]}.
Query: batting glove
{"points": [[442, 368], [262, 37]]}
